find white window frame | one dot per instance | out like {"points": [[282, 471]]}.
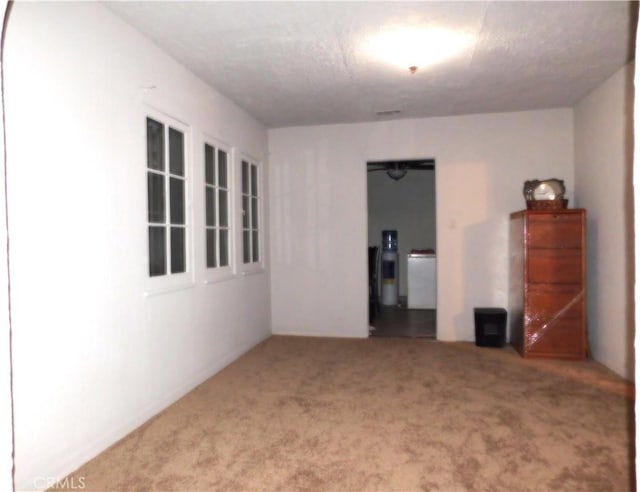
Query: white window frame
{"points": [[219, 273], [259, 265], [169, 281]]}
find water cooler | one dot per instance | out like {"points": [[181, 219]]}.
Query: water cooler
{"points": [[390, 268]]}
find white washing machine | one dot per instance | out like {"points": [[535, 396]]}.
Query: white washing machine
{"points": [[421, 278]]}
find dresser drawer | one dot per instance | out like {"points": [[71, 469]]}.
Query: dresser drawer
{"points": [[562, 339], [554, 231], [560, 301], [559, 266]]}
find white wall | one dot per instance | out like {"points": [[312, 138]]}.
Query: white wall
{"points": [[94, 357], [319, 222], [604, 161], [407, 206]]}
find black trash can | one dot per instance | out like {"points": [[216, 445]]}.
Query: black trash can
{"points": [[491, 326]]}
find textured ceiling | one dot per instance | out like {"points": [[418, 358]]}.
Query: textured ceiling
{"points": [[301, 63]]}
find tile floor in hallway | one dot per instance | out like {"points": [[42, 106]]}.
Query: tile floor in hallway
{"points": [[394, 321]]}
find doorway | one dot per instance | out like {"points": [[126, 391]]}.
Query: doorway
{"points": [[402, 291]]}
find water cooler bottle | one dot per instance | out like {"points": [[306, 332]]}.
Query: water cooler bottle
{"points": [[390, 268]]}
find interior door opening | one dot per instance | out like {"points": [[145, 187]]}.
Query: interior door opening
{"points": [[401, 216]]}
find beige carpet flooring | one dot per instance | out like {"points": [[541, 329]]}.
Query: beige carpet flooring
{"points": [[383, 414]]}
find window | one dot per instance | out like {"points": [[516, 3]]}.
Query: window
{"points": [[250, 213], [166, 199], [217, 190]]}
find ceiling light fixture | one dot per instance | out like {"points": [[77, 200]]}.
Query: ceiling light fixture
{"points": [[397, 172], [417, 48]]}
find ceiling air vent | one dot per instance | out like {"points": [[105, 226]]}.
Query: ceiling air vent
{"points": [[389, 112]]}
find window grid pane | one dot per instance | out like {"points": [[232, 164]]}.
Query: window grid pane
{"points": [[155, 197], [211, 248], [246, 246], [254, 180], [210, 206], [178, 250], [224, 247], [157, 251], [176, 152], [222, 168], [245, 177], [176, 197], [209, 170], [254, 213], [254, 246], [245, 212], [223, 208], [155, 145]]}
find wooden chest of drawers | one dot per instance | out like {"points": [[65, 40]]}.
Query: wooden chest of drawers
{"points": [[547, 292]]}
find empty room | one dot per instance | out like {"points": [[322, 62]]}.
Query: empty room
{"points": [[189, 303]]}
